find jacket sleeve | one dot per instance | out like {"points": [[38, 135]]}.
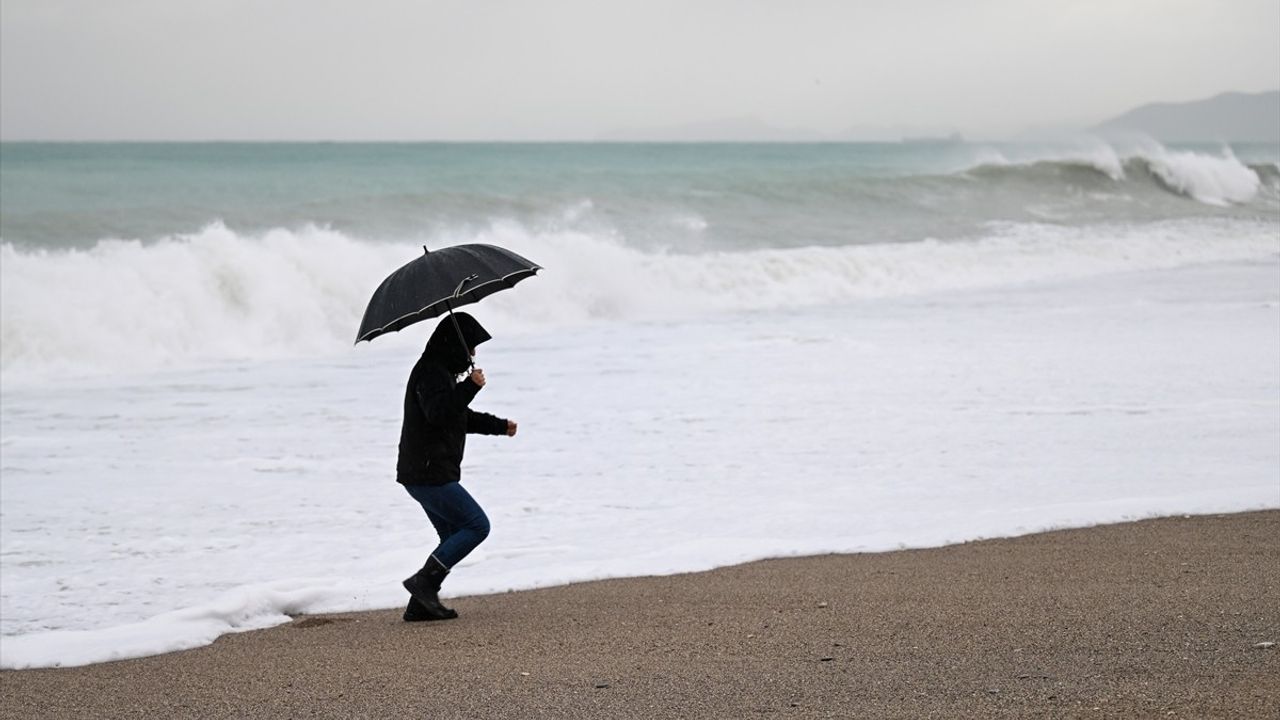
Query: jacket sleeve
{"points": [[443, 401], [485, 424]]}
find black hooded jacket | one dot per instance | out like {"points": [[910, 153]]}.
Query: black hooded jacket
{"points": [[436, 413]]}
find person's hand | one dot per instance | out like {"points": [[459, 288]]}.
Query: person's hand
{"points": [[477, 377], [511, 428]]}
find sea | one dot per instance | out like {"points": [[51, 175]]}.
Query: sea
{"points": [[733, 352]]}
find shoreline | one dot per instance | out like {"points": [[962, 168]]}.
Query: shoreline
{"points": [[1159, 617]]}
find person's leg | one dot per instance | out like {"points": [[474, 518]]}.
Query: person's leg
{"points": [[415, 611], [443, 527], [461, 525], [457, 517]]}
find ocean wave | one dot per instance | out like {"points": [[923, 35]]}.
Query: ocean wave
{"points": [[1268, 173], [218, 295], [1218, 180]]}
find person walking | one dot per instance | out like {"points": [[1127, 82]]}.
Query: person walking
{"points": [[437, 419]]}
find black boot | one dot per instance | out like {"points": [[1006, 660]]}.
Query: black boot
{"points": [[424, 586], [416, 612]]}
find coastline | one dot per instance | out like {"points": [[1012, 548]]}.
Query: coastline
{"points": [[1157, 617]]}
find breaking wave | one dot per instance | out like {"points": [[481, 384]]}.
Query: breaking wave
{"points": [[218, 295], [1218, 180]]}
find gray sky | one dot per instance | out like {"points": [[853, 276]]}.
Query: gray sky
{"points": [[584, 69]]}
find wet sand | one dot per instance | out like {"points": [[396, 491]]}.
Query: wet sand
{"points": [[1162, 618]]}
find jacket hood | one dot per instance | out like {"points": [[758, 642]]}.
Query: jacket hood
{"points": [[445, 346]]}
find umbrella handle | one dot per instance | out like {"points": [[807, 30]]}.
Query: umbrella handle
{"points": [[457, 293], [462, 340]]}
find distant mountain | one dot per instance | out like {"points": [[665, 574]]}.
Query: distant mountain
{"points": [[1232, 116], [739, 129]]}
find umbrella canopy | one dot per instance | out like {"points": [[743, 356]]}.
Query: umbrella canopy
{"points": [[438, 282]]}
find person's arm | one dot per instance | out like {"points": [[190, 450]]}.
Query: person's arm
{"points": [[482, 423], [442, 400]]}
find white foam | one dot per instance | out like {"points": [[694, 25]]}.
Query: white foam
{"points": [[187, 299], [217, 295], [245, 608], [1215, 180]]}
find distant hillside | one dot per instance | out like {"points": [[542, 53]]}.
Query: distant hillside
{"points": [[1230, 116], [738, 129]]}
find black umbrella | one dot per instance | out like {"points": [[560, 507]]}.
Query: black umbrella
{"points": [[438, 282]]}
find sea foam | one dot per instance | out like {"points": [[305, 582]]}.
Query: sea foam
{"points": [[1206, 178], [218, 295]]}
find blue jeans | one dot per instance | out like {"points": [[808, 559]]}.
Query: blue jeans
{"points": [[457, 517]]}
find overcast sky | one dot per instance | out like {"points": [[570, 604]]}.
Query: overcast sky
{"points": [[585, 69]]}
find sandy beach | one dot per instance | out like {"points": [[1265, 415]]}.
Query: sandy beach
{"points": [[1159, 618]]}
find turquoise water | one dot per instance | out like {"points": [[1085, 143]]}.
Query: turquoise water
{"points": [[175, 254], [683, 197]]}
